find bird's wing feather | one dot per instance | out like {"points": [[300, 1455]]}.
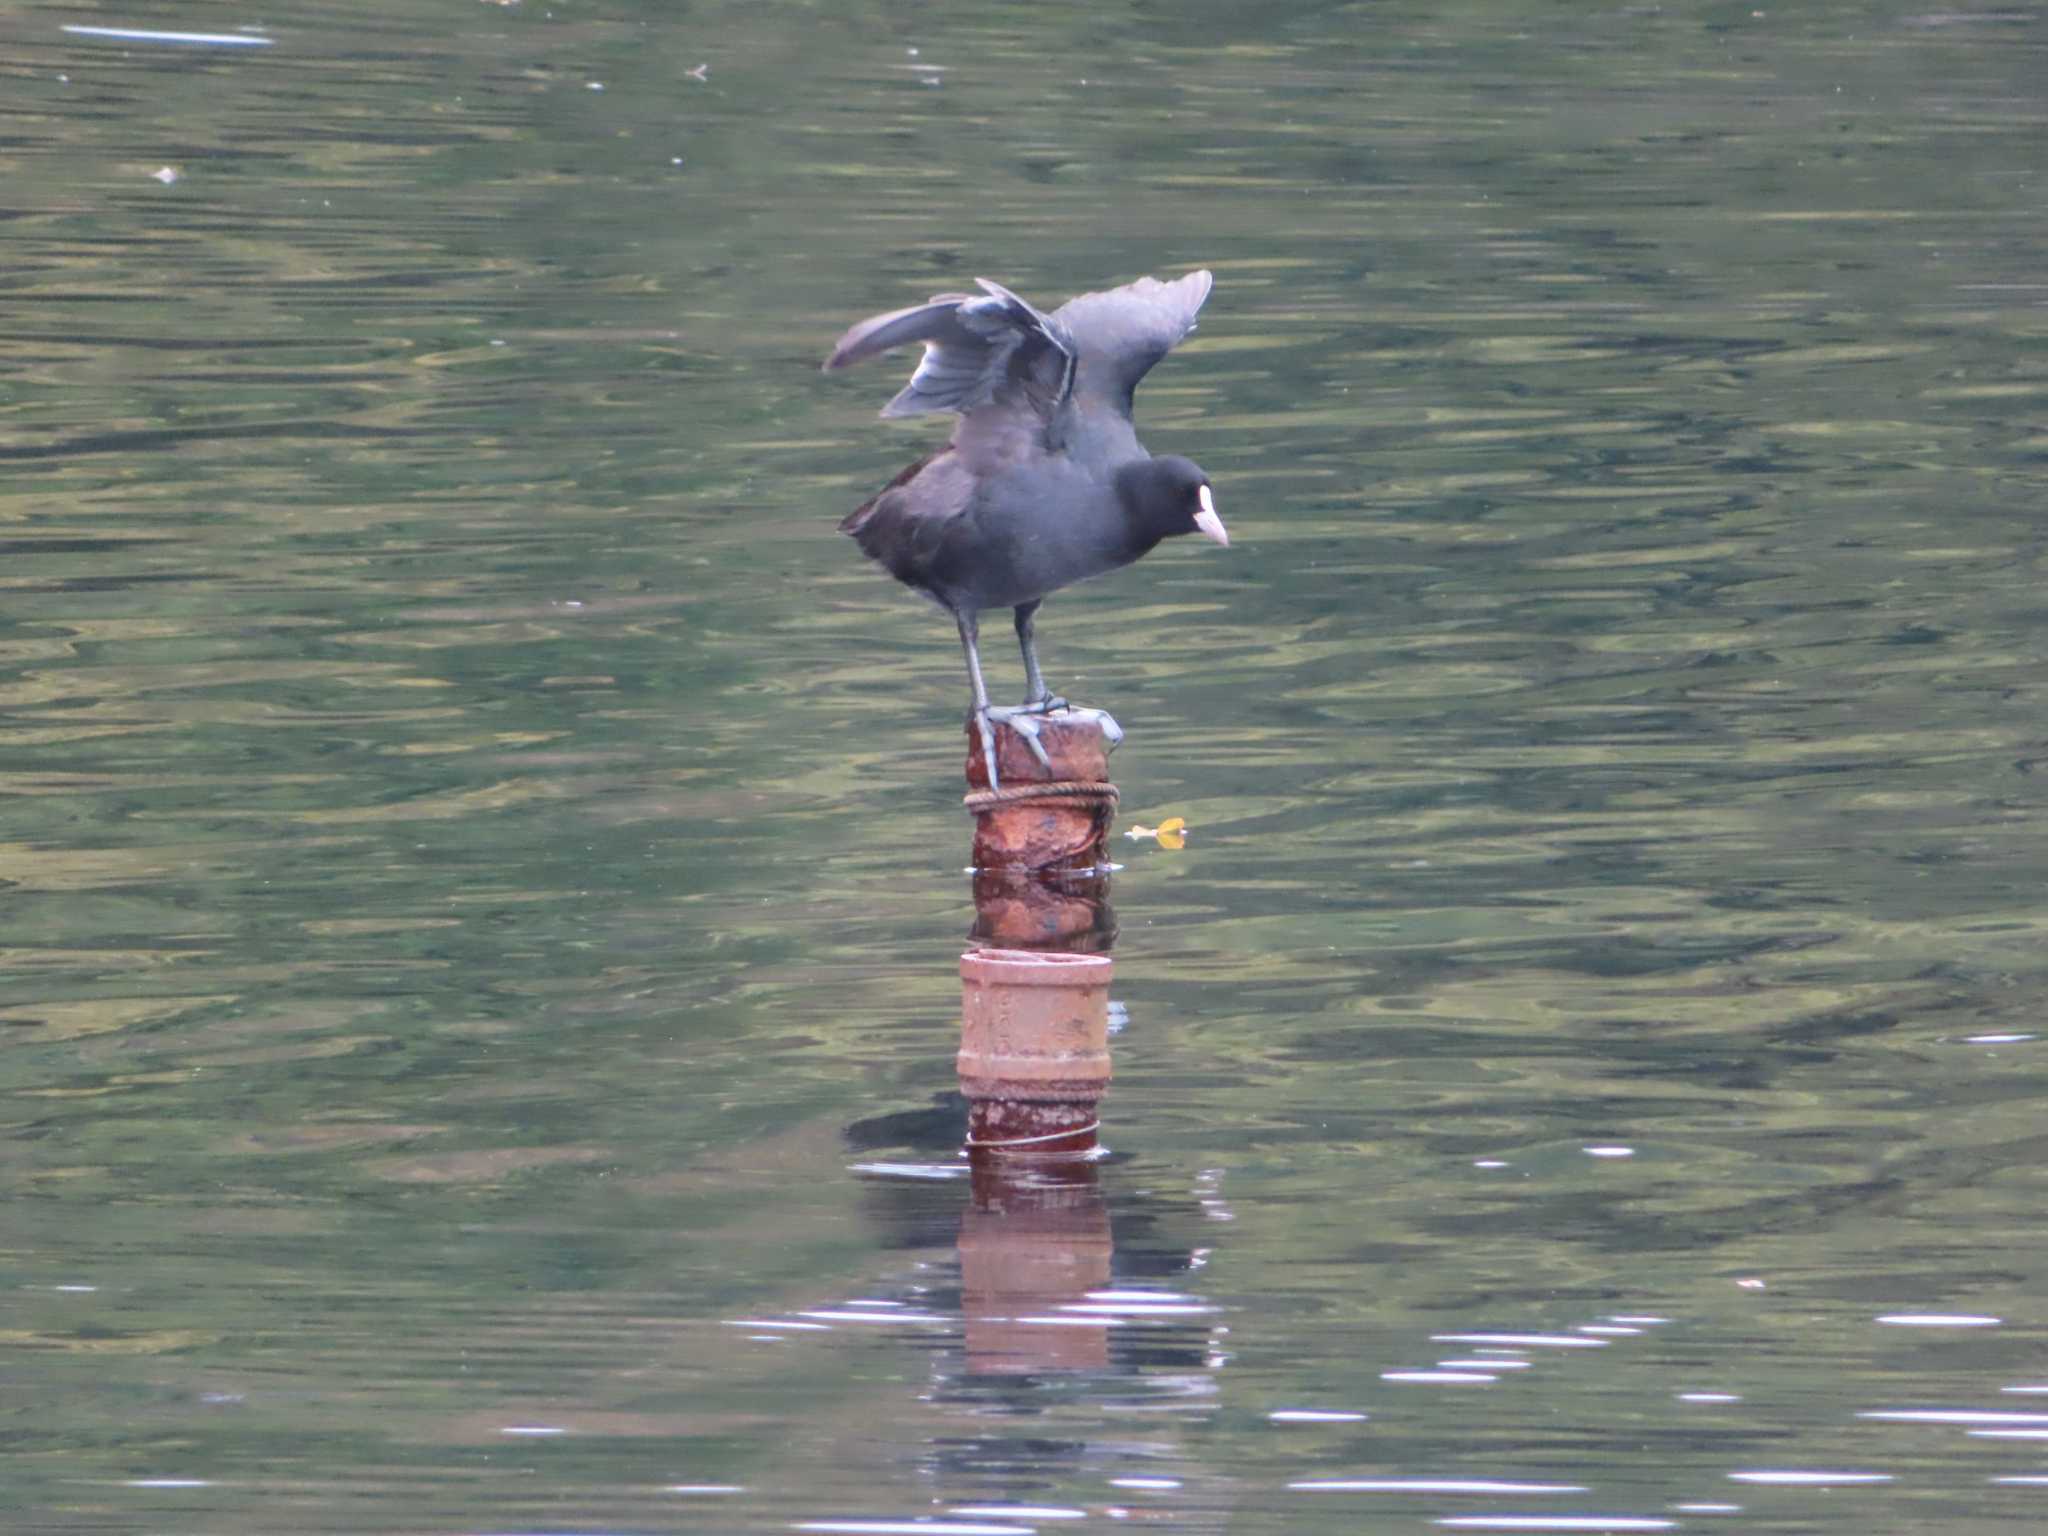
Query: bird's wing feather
{"points": [[990, 349], [1121, 333]]}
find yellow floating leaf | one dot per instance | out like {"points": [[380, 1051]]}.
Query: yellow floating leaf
{"points": [[1170, 833]]}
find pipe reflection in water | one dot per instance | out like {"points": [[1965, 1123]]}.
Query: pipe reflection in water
{"points": [[1047, 1301], [1041, 1291], [1034, 1241], [1034, 1049], [1034, 1064]]}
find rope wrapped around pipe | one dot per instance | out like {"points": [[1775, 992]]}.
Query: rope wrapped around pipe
{"points": [[977, 801]]}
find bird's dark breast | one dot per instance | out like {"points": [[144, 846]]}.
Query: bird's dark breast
{"points": [[987, 536], [1028, 536]]}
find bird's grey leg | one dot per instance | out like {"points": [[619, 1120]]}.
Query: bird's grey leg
{"points": [[1018, 720], [1037, 697], [970, 629], [990, 717]]}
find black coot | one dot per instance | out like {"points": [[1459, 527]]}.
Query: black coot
{"points": [[1045, 482]]}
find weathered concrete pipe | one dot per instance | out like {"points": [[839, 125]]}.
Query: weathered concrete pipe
{"points": [[1053, 815]]}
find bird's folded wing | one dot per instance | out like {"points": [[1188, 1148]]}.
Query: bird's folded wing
{"points": [[1124, 331], [991, 348]]}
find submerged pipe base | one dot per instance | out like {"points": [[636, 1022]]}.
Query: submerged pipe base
{"points": [[1034, 1027]]}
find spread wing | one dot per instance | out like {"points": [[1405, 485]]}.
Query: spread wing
{"points": [[980, 350], [1120, 334]]}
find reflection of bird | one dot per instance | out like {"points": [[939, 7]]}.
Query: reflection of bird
{"points": [[1045, 482]]}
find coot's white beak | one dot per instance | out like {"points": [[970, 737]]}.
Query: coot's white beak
{"points": [[1208, 522]]}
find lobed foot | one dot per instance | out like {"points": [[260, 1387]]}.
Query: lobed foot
{"points": [[1105, 722], [1024, 718], [1019, 718]]}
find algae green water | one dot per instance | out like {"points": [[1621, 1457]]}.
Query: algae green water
{"points": [[480, 855]]}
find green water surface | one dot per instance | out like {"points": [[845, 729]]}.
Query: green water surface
{"points": [[480, 857]]}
